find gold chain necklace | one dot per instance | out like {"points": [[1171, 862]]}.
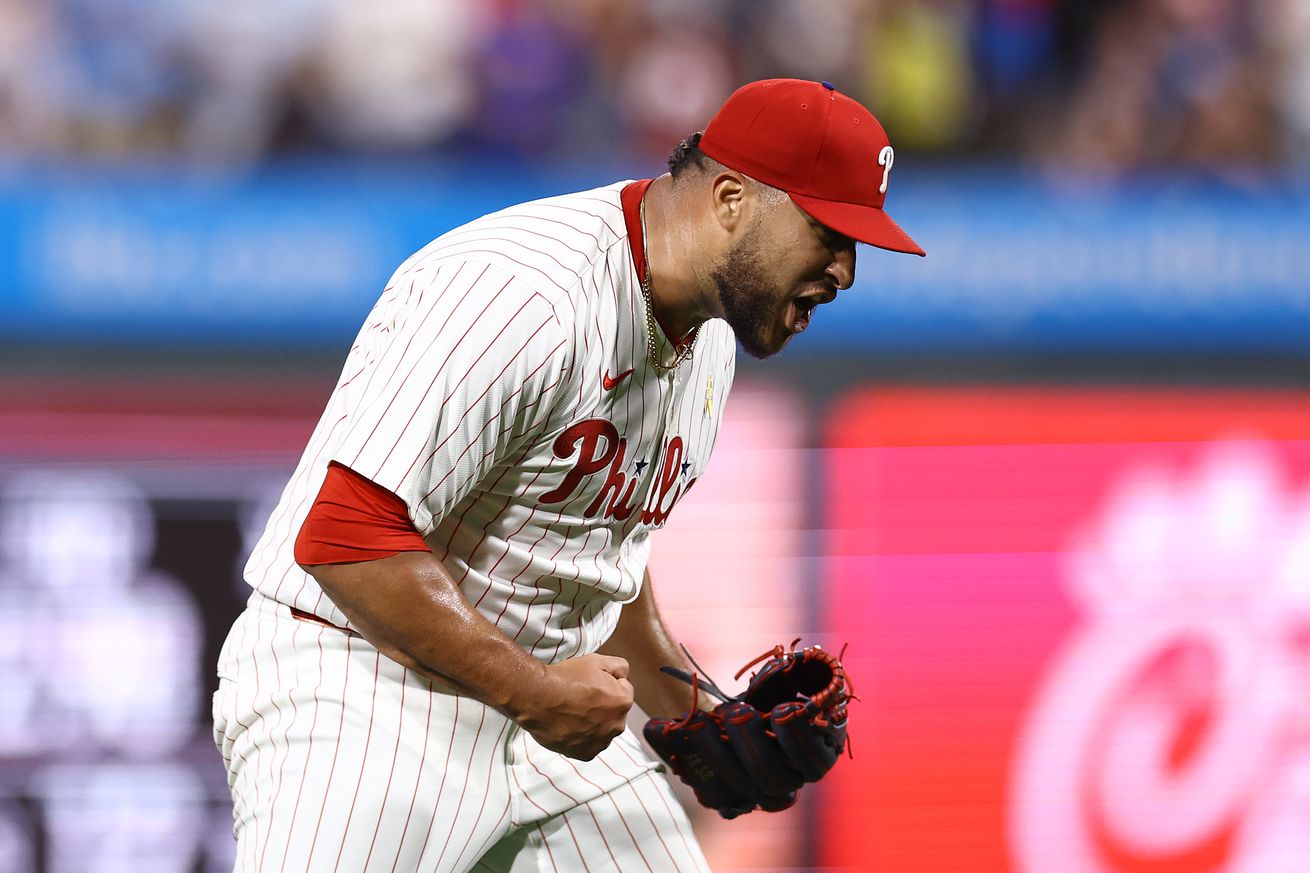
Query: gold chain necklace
{"points": [[679, 354]]}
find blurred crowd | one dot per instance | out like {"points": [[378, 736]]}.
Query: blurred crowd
{"points": [[1107, 85]]}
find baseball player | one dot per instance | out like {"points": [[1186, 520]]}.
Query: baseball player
{"points": [[451, 615]]}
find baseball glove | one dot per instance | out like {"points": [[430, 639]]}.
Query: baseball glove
{"points": [[756, 750]]}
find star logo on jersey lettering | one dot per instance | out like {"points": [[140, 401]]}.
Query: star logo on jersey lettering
{"points": [[611, 383]]}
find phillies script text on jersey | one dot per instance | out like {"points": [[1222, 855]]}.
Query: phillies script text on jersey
{"points": [[596, 443]]}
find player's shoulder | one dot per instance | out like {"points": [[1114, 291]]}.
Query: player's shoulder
{"points": [[551, 243], [596, 213]]}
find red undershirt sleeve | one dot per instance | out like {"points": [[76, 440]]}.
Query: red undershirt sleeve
{"points": [[354, 519]]}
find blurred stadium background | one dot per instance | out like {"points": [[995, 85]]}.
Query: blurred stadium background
{"points": [[1051, 484]]}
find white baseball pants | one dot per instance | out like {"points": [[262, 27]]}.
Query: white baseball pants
{"points": [[340, 759]]}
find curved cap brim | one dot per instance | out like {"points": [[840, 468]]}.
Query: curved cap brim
{"points": [[868, 224]]}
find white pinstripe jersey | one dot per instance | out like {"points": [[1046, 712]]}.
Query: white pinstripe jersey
{"points": [[501, 387]]}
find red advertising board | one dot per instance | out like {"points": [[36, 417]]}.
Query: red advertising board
{"points": [[1079, 620]]}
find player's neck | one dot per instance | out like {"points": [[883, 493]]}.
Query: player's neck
{"points": [[671, 261]]}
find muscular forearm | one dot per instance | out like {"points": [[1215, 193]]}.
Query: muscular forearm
{"points": [[410, 608], [646, 644]]}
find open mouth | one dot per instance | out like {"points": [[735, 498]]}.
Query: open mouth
{"points": [[802, 308]]}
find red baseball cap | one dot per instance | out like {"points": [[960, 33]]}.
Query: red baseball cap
{"points": [[823, 148]]}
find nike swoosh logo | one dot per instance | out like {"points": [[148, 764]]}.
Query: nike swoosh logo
{"points": [[611, 384]]}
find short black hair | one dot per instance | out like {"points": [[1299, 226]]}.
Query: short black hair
{"points": [[688, 154]]}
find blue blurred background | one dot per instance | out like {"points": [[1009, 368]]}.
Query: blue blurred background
{"points": [[200, 201], [1088, 176]]}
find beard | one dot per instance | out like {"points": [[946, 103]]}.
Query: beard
{"points": [[747, 307]]}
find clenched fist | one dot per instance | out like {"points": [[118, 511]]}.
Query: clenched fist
{"points": [[578, 706]]}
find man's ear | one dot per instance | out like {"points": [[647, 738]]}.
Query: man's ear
{"points": [[729, 194]]}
